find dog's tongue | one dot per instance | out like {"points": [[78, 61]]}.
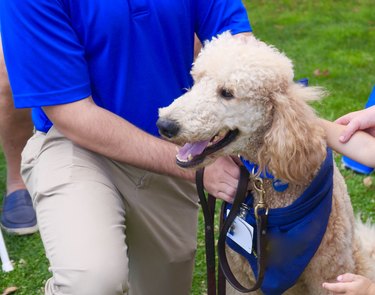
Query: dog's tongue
{"points": [[192, 149]]}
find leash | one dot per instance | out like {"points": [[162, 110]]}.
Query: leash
{"points": [[208, 208]]}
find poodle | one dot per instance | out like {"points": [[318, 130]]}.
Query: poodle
{"points": [[245, 102]]}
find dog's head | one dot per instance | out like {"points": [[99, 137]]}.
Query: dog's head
{"points": [[244, 101]]}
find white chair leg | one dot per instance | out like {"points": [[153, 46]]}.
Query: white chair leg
{"points": [[6, 263]]}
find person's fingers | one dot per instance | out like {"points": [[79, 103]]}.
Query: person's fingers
{"points": [[347, 277], [337, 288], [352, 127], [227, 197], [226, 189], [221, 179], [229, 166], [344, 120]]}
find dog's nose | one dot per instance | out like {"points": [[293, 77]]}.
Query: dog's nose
{"points": [[168, 128]]}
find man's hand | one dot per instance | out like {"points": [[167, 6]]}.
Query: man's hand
{"points": [[221, 178]]}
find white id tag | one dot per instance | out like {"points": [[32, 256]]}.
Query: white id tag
{"points": [[242, 234]]}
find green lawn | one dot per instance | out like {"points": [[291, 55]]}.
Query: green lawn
{"points": [[332, 36]]}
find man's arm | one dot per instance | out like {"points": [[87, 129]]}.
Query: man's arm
{"points": [[103, 132]]}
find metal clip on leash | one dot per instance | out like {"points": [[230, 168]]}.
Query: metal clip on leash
{"points": [[258, 186]]}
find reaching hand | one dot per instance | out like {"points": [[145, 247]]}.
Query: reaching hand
{"points": [[221, 178], [351, 284], [359, 120]]}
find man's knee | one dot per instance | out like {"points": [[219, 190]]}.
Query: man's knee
{"points": [[110, 278]]}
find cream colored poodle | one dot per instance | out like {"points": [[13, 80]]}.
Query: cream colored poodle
{"points": [[245, 102]]}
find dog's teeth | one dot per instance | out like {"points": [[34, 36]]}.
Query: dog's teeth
{"points": [[190, 157], [181, 160], [213, 140], [222, 133], [216, 139]]}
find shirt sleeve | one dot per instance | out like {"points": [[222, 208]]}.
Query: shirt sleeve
{"points": [[44, 57], [217, 16]]}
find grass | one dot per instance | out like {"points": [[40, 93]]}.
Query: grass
{"points": [[333, 36]]}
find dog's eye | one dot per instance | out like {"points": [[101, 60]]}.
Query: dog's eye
{"points": [[226, 93]]}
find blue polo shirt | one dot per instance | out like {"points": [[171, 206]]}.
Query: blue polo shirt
{"points": [[131, 56]]}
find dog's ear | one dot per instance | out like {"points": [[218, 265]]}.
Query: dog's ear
{"points": [[294, 147]]}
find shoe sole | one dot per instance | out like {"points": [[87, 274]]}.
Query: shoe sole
{"points": [[20, 231]]}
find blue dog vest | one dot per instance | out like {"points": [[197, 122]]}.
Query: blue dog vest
{"points": [[294, 233]]}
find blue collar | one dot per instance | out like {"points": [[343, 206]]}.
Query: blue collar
{"points": [[294, 232], [277, 184]]}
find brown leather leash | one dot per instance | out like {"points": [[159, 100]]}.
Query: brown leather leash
{"points": [[208, 208]]}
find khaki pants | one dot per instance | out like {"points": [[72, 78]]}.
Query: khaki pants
{"points": [[107, 227]]}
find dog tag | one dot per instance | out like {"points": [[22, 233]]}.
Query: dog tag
{"points": [[242, 234]]}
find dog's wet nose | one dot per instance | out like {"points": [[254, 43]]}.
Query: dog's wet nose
{"points": [[168, 128]]}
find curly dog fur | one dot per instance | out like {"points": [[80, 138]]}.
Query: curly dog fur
{"points": [[245, 84]]}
